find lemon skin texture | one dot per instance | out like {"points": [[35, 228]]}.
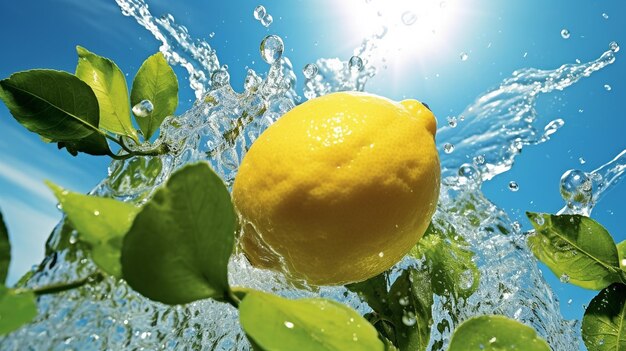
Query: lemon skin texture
{"points": [[340, 188]]}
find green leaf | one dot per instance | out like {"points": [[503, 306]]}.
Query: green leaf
{"points": [[374, 292], [94, 144], [100, 222], [604, 323], [16, 309], [54, 104], [411, 300], [621, 251], [109, 84], [178, 248], [155, 81], [496, 333], [5, 251], [275, 323], [575, 247], [450, 262]]}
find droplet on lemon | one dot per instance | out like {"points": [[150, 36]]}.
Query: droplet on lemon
{"points": [[335, 182]]}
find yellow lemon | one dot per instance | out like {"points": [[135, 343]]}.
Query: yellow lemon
{"points": [[340, 188]]}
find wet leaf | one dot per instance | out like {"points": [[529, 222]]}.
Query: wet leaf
{"points": [[109, 84], [604, 323], [5, 251], [155, 81], [54, 104], [621, 251], [100, 222], [279, 324], [178, 247], [496, 333], [576, 248], [374, 292], [94, 144], [16, 309]]}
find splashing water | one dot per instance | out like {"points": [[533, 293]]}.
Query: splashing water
{"points": [[220, 128]]}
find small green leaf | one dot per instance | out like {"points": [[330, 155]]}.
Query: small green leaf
{"points": [[54, 104], [178, 248], [155, 81], [5, 251], [604, 323], [16, 309], [100, 222], [94, 144], [496, 333], [374, 292], [278, 324], [450, 262], [621, 251], [109, 84], [575, 247], [411, 300]]}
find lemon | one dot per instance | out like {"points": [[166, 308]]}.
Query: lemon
{"points": [[340, 188]]}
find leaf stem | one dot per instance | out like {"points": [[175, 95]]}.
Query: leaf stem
{"points": [[232, 299], [60, 287]]}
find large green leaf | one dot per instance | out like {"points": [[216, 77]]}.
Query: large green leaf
{"points": [[16, 309], [5, 251], [178, 248], [54, 104], [109, 84], [496, 333], [278, 324], [604, 323], [155, 81], [411, 300], [100, 222], [453, 271], [575, 248], [621, 251]]}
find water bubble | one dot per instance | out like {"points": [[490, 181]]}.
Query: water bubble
{"points": [[409, 17], [381, 254], [96, 213], [272, 48], [220, 78], [539, 220], [452, 122], [448, 148], [211, 35], [564, 278], [582, 160], [513, 186], [576, 190], [605, 16], [479, 160], [469, 172], [309, 70], [355, 63], [464, 56], [259, 12], [408, 319], [143, 109], [354, 337], [565, 34], [518, 144], [569, 302], [267, 20], [614, 46], [404, 301], [288, 324], [607, 87], [493, 340], [601, 342]]}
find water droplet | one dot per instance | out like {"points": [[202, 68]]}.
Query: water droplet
{"points": [[553, 126], [601, 342], [309, 70], [288, 324], [513, 186], [267, 20], [96, 213], [272, 48], [605, 16], [493, 340], [464, 56], [355, 63], [452, 121], [211, 35], [564, 278], [469, 172], [404, 301], [479, 160], [607, 87], [582, 160], [624, 262], [576, 190], [408, 319], [354, 337], [409, 17], [381, 254], [569, 302], [516, 226], [614, 46], [143, 109], [220, 78], [448, 148], [539, 220], [565, 34], [259, 12], [518, 144]]}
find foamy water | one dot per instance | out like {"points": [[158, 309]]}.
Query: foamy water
{"points": [[221, 126]]}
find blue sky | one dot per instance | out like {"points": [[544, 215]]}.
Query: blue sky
{"points": [[499, 37]]}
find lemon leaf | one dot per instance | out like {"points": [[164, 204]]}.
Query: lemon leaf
{"points": [[621, 251], [604, 323], [178, 247], [5, 251], [314, 324], [496, 333], [16, 309], [100, 222], [575, 247]]}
